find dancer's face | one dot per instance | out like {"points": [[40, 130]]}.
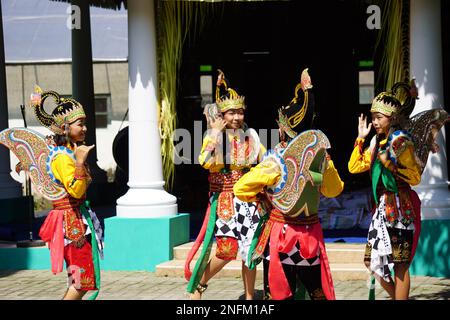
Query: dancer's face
{"points": [[234, 118], [77, 130], [381, 123]]}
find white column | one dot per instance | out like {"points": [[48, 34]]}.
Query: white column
{"points": [[426, 67], [146, 196]]}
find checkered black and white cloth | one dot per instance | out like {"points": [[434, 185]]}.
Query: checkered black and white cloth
{"points": [[293, 257], [247, 218], [381, 260], [225, 228], [242, 226]]}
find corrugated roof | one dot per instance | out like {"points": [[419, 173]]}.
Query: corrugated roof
{"points": [[36, 30], [107, 4]]}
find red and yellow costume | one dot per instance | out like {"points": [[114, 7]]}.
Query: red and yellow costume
{"points": [[282, 233], [292, 177], [227, 156], [71, 230], [395, 227], [65, 229]]}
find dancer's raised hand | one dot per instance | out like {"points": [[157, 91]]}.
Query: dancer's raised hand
{"points": [[363, 128], [81, 153], [218, 124]]}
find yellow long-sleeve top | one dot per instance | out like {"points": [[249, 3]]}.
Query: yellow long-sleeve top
{"points": [[406, 168], [267, 173], [211, 157], [74, 179]]}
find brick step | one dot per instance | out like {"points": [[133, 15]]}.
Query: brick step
{"points": [[337, 252], [340, 271]]}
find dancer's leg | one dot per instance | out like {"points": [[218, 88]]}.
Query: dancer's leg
{"points": [[249, 278], [214, 265], [402, 281], [74, 294]]}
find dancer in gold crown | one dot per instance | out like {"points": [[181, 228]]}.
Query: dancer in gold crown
{"points": [[229, 150], [58, 170], [396, 157]]}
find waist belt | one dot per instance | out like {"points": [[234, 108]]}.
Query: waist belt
{"points": [[220, 182], [67, 203], [277, 216]]}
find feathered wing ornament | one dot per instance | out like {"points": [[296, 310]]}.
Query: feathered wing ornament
{"points": [[301, 162], [423, 128], [407, 94], [35, 154]]}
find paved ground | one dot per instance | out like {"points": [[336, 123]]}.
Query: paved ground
{"points": [[140, 285]]}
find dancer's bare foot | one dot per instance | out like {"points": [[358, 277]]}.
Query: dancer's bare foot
{"points": [[197, 295]]}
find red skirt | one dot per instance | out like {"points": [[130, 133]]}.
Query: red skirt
{"points": [[80, 267]]}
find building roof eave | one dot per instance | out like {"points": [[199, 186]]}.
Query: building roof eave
{"points": [[106, 4]]}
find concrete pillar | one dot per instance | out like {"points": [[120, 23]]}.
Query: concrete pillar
{"points": [[146, 196], [426, 67], [432, 254]]}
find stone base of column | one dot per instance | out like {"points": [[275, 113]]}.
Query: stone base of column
{"points": [[142, 244], [435, 200], [146, 203], [25, 258], [433, 251]]}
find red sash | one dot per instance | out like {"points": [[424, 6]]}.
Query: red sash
{"points": [[311, 239], [52, 232]]}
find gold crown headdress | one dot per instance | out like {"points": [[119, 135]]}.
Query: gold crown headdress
{"points": [[67, 110], [291, 116], [228, 98], [390, 102]]}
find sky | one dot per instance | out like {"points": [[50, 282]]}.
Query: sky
{"points": [[36, 30]]}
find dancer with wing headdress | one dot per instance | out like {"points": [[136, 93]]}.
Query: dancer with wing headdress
{"points": [[396, 158], [229, 150], [58, 171], [292, 177]]}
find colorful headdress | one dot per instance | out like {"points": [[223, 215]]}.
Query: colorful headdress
{"points": [[67, 110], [390, 103], [299, 114], [226, 97]]}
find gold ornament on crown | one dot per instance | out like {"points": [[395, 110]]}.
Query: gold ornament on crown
{"points": [[378, 105], [234, 101], [68, 110], [286, 123]]}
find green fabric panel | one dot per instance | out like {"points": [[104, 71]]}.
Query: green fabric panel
{"points": [[317, 177], [206, 250], [311, 196], [95, 257], [379, 171], [301, 293], [372, 288], [261, 224]]}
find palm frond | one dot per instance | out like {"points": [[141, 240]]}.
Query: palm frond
{"points": [[393, 41], [174, 20]]}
